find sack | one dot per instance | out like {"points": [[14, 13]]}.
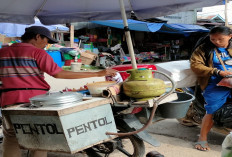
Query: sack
{"points": [[226, 82], [223, 116]]}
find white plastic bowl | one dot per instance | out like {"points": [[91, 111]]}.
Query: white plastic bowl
{"points": [[96, 88]]}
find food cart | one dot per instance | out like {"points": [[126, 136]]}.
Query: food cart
{"points": [[67, 122], [63, 128]]}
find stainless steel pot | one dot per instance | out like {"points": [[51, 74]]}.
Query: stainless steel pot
{"points": [[56, 98]]}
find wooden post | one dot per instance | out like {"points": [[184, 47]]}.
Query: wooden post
{"points": [[72, 36], [226, 17]]}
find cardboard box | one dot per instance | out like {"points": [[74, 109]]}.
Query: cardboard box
{"points": [[88, 57]]}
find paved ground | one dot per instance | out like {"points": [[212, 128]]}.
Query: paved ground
{"points": [[176, 141]]}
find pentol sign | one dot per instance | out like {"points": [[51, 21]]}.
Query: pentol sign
{"points": [[66, 133]]}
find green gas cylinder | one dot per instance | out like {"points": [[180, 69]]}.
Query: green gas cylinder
{"points": [[141, 85]]}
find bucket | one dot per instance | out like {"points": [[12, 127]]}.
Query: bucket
{"points": [[68, 62], [177, 108]]}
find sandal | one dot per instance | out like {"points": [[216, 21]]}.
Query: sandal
{"points": [[203, 144], [187, 122]]}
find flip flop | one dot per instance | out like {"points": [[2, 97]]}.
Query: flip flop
{"points": [[187, 122], [202, 144]]}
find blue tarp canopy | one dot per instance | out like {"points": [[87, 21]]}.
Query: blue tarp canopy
{"points": [[154, 27], [17, 30]]}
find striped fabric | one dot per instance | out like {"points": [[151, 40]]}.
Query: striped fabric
{"points": [[22, 66]]}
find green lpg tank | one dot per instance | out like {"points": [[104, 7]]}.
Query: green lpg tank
{"points": [[142, 86]]}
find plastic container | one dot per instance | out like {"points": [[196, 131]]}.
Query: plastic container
{"points": [[76, 40], [68, 62], [75, 66], [226, 146], [68, 56], [56, 57], [95, 50], [177, 108], [97, 88], [88, 47]]}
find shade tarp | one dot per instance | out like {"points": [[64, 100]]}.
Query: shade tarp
{"points": [[153, 27], [62, 11], [17, 30]]}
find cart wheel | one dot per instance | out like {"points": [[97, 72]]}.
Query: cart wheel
{"points": [[130, 146]]}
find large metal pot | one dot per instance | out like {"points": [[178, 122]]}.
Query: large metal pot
{"points": [[56, 98]]}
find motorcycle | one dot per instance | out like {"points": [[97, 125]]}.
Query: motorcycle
{"points": [[108, 57]]}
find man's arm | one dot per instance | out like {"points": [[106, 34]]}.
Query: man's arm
{"points": [[78, 75]]}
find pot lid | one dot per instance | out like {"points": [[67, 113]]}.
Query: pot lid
{"points": [[56, 98]]}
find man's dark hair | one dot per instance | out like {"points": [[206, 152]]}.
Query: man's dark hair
{"points": [[29, 36]]}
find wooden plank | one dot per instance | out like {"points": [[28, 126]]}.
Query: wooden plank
{"points": [[53, 110], [30, 112], [87, 104], [72, 36]]}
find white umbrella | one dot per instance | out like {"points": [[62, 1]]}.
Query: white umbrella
{"points": [[62, 11], [17, 30]]}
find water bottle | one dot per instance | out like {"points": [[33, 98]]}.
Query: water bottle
{"points": [[227, 146]]}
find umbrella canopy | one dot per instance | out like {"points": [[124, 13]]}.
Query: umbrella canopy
{"points": [[61, 11], [17, 30], [154, 27]]}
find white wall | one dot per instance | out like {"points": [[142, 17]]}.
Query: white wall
{"points": [[188, 17]]}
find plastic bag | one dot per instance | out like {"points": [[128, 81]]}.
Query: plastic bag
{"points": [[223, 116], [226, 82], [226, 146]]}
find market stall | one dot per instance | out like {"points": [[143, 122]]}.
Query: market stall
{"points": [[11, 32]]}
